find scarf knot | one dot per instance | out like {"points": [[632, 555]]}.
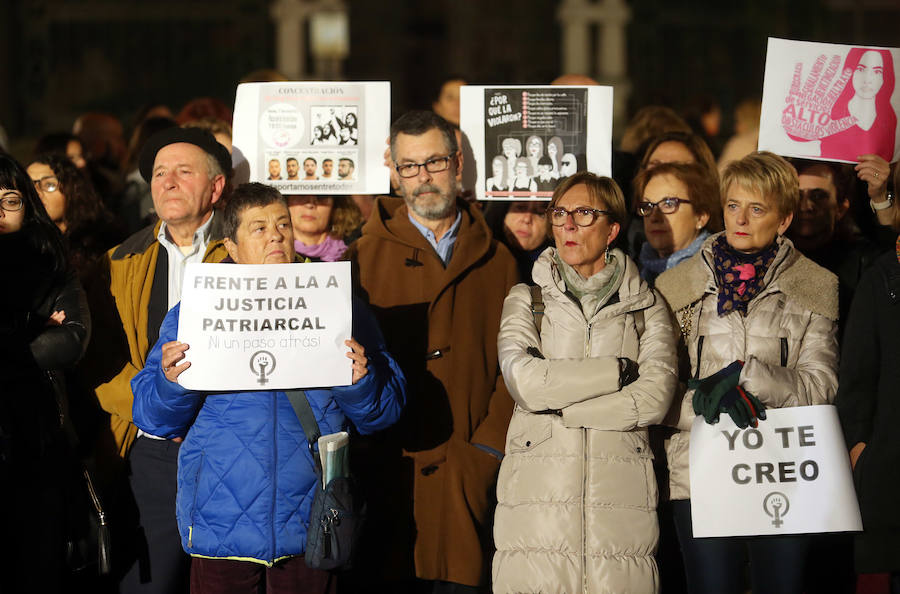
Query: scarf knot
{"points": [[739, 276]]}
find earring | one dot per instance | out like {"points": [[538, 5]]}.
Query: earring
{"points": [[606, 256]]}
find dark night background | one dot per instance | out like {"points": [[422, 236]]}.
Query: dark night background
{"points": [[61, 58]]}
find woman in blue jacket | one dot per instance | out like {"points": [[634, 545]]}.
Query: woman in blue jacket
{"points": [[245, 475]]}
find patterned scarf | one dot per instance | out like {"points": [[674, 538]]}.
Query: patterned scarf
{"points": [[739, 276]]}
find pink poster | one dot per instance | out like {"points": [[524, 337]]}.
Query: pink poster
{"points": [[830, 102]]}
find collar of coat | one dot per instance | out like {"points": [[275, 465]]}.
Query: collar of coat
{"points": [[390, 222], [143, 240], [792, 273]]}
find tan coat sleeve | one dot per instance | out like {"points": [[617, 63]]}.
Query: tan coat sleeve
{"points": [[540, 384], [812, 381], [645, 401]]}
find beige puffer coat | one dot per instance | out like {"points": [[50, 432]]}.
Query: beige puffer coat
{"points": [[576, 491], [787, 340]]}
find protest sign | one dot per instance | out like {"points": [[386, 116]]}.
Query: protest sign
{"points": [[266, 327], [789, 475], [526, 139], [313, 137], [830, 102]]}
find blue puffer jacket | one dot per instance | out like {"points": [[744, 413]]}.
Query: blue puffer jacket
{"points": [[245, 476]]}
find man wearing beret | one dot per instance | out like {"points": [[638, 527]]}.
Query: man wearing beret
{"points": [[186, 169]]}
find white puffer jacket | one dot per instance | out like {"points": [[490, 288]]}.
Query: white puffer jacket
{"points": [[576, 492], [787, 340]]}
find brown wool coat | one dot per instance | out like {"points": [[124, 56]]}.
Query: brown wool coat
{"points": [[124, 317], [432, 490]]}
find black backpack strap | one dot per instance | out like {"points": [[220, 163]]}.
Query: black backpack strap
{"points": [[307, 418], [537, 306]]}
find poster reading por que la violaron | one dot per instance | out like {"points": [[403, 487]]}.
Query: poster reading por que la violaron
{"points": [[830, 102], [527, 139], [314, 137]]}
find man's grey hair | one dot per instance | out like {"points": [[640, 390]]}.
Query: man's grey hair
{"points": [[418, 122], [212, 166]]}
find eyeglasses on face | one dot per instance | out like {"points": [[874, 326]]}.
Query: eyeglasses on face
{"points": [[433, 165], [583, 216], [48, 183], [666, 206], [11, 203]]}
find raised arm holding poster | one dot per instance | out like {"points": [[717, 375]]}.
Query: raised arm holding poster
{"points": [[314, 137], [253, 327], [830, 102], [772, 479], [526, 139]]}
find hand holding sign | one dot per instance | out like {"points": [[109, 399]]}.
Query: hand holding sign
{"points": [[743, 407], [708, 392], [172, 353], [808, 112], [360, 361]]}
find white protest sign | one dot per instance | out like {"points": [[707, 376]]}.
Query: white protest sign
{"points": [[265, 327], [830, 102], [526, 139], [790, 475], [313, 137]]}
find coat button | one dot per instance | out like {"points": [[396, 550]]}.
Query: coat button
{"points": [[430, 469], [527, 444]]}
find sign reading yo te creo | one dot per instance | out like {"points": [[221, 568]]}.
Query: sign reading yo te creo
{"points": [[771, 479], [266, 327]]}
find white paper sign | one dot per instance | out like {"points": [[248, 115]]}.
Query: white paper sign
{"points": [[830, 102], [526, 139], [313, 137], [265, 327], [790, 475]]}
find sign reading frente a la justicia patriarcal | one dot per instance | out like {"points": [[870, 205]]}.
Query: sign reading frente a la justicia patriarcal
{"points": [[266, 327], [789, 475]]}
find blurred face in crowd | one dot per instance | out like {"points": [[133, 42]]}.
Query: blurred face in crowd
{"points": [[274, 169], [293, 168], [752, 221], [447, 104], [583, 248], [869, 75], [820, 207], [327, 167], [75, 152], [430, 196], [669, 233], [181, 186], [524, 222], [310, 215], [12, 210], [264, 236], [670, 151], [51, 194]]}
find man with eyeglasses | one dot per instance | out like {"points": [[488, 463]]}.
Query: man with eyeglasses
{"points": [[345, 168], [186, 169], [436, 279], [823, 229]]}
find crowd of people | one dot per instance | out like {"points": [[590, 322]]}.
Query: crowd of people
{"points": [[524, 373]]}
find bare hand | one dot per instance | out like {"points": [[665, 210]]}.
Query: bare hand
{"points": [[172, 353], [360, 361], [57, 318], [875, 171], [855, 452]]}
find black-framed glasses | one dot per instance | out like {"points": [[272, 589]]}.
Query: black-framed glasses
{"points": [[12, 203], [434, 165], [666, 206], [48, 183], [583, 216]]}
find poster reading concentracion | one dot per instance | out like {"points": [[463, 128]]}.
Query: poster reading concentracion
{"points": [[314, 137], [526, 140], [830, 102]]}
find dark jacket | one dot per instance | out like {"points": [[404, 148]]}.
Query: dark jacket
{"points": [[868, 402]]}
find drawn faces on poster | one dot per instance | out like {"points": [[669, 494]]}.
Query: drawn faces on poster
{"points": [[860, 120], [536, 170], [334, 125]]}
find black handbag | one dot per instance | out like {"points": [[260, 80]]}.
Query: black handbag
{"points": [[337, 512]]}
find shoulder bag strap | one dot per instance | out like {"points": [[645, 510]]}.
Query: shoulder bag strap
{"points": [[300, 403], [537, 306]]}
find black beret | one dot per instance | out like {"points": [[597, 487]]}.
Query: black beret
{"points": [[196, 136]]}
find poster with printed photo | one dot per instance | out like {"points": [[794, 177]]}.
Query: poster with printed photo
{"points": [[830, 102], [313, 137], [527, 139]]}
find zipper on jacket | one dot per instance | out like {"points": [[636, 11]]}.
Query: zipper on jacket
{"points": [[784, 351], [699, 354], [584, 485], [274, 466], [194, 504], [587, 343]]}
